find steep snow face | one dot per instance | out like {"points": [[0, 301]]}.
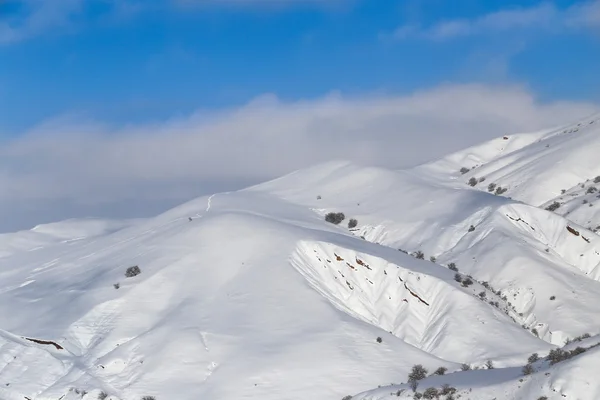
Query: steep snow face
{"points": [[419, 302]]}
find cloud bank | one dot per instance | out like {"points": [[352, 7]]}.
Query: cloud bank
{"points": [[65, 168]]}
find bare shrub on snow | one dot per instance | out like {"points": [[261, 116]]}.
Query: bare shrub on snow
{"points": [[528, 369], [533, 358], [431, 393]]}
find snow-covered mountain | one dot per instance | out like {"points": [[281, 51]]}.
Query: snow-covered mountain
{"points": [[465, 266]]}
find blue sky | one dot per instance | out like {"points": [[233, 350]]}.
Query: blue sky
{"points": [[119, 108], [125, 62]]}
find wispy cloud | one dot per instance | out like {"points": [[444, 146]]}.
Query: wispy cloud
{"points": [[34, 17], [23, 19], [544, 16], [68, 168]]}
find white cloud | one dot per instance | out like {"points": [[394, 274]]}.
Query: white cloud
{"points": [[63, 168], [543, 16]]}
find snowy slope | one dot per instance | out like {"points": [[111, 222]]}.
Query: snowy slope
{"points": [[252, 294]]}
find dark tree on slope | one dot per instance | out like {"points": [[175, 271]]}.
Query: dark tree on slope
{"points": [[441, 371], [419, 254], [352, 223], [417, 373], [554, 206], [335, 218], [472, 182]]}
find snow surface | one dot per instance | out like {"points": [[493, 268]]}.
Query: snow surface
{"points": [[253, 295]]}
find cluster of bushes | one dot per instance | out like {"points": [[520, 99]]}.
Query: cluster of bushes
{"points": [[578, 338], [466, 281], [500, 190], [337, 217], [419, 373], [554, 206]]}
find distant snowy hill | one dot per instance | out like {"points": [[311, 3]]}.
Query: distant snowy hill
{"points": [[254, 295]]}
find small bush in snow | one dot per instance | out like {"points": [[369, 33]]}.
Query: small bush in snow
{"points": [[591, 189], [440, 371], [542, 398], [419, 255], [352, 223], [482, 179], [563, 191], [533, 358], [379, 339], [467, 282], [117, 285], [132, 271], [432, 259], [102, 396], [482, 295], [471, 228], [430, 393], [347, 397], [417, 373], [148, 398], [464, 170], [472, 181], [528, 369], [452, 267], [491, 187], [319, 197], [500, 190], [335, 218], [458, 277], [554, 206], [447, 390], [535, 332], [465, 367], [552, 297], [418, 396], [489, 364]]}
